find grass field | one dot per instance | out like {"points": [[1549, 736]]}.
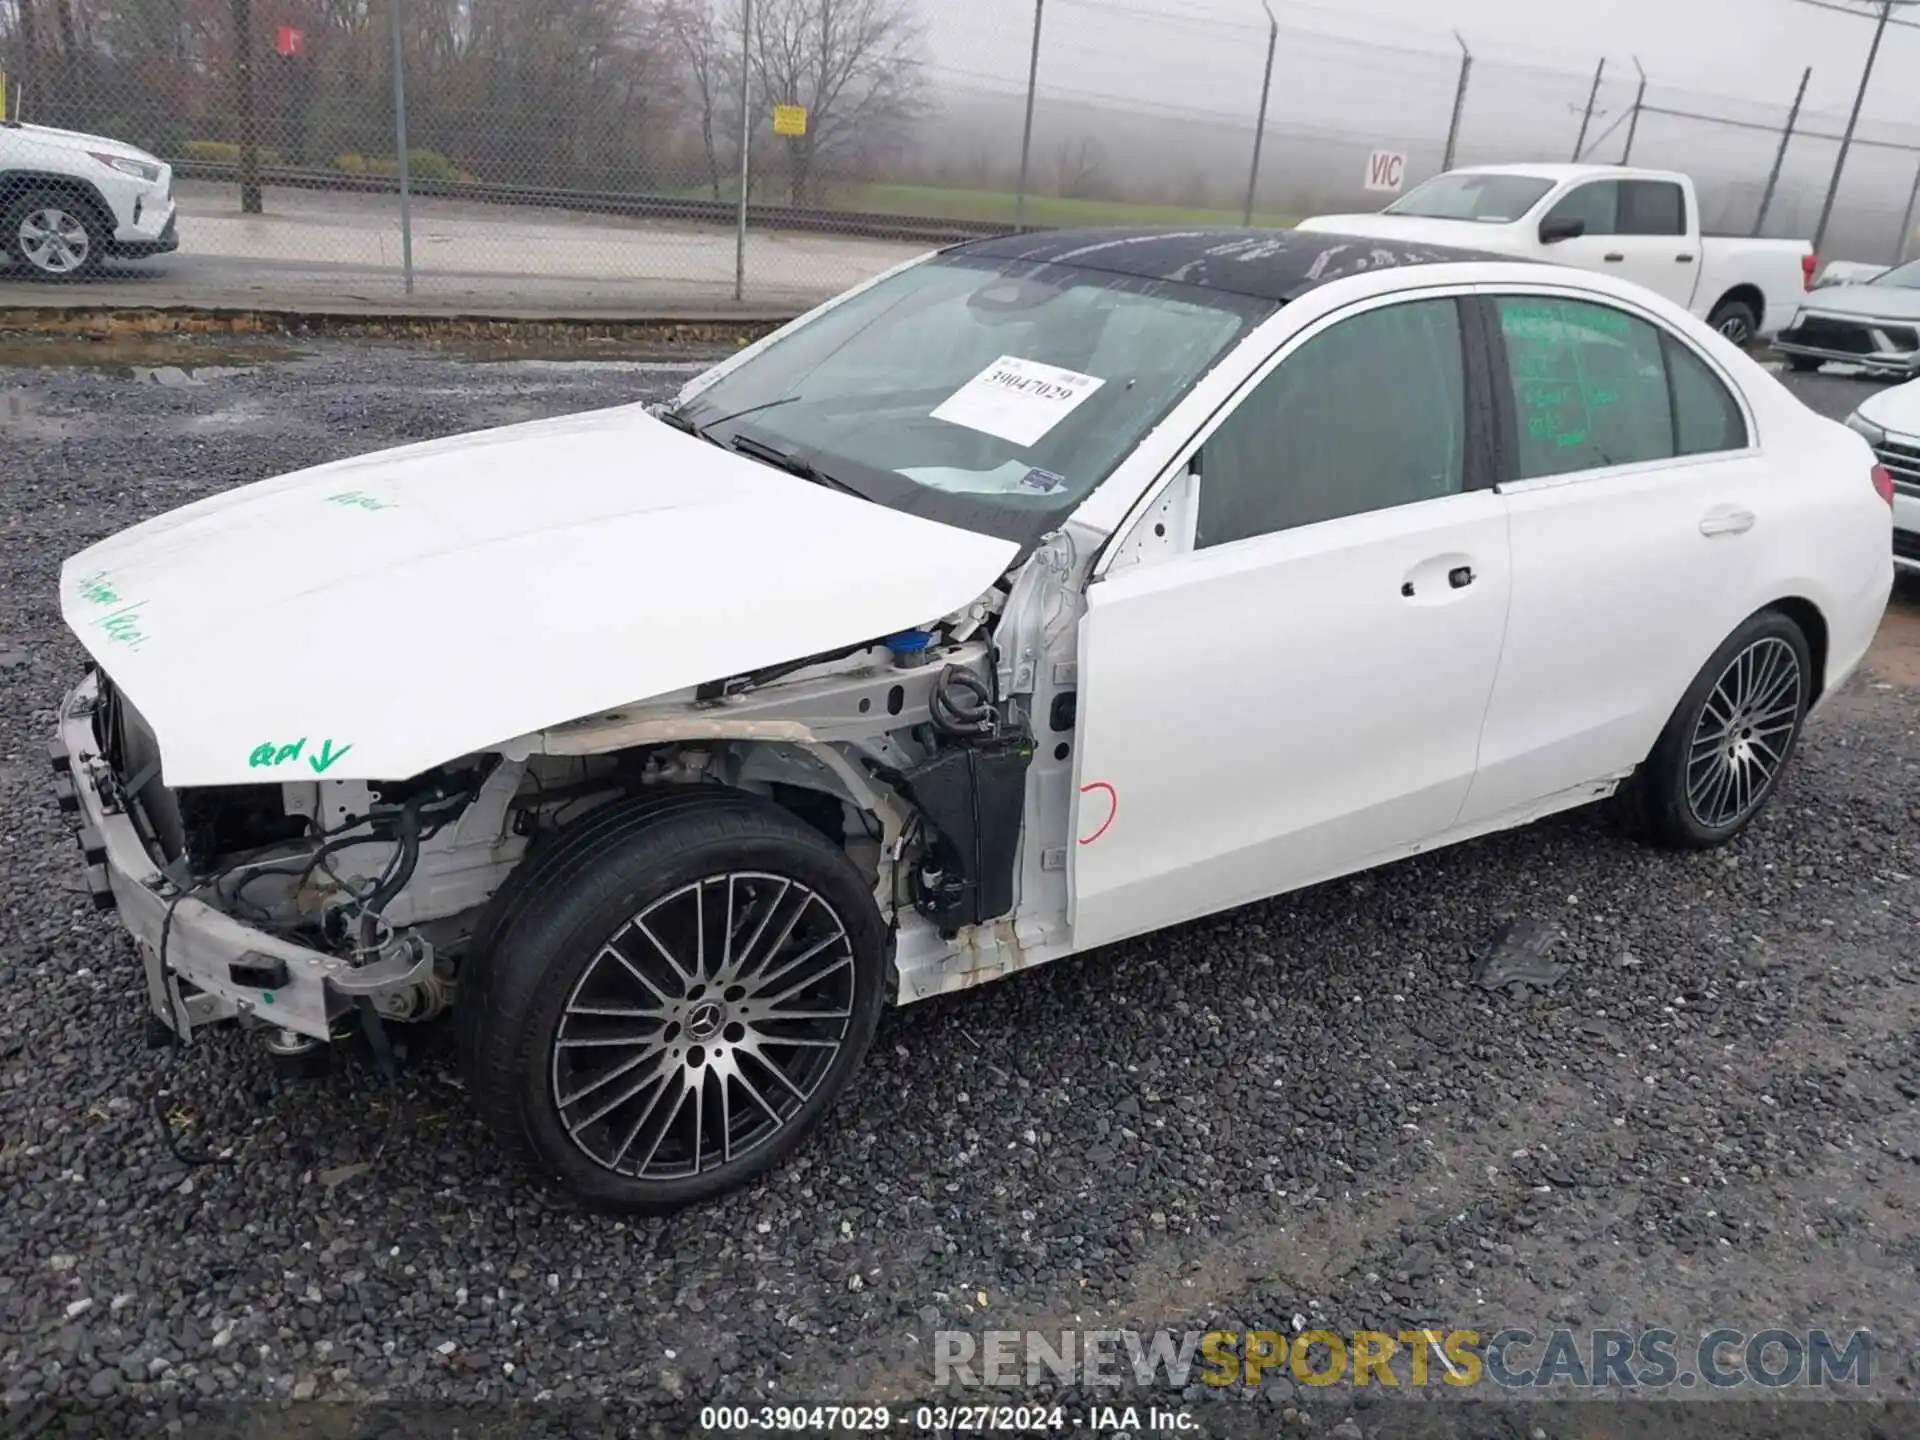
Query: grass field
{"points": [[935, 202]]}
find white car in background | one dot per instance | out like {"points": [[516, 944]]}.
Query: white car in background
{"points": [[1034, 595], [69, 202], [1642, 225], [1890, 421]]}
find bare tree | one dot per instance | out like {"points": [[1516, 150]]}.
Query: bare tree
{"points": [[1080, 168], [712, 74], [854, 64]]}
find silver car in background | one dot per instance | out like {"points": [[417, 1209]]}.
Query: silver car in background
{"points": [[1869, 319]]}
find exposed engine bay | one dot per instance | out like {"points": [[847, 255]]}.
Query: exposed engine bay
{"points": [[914, 753]]}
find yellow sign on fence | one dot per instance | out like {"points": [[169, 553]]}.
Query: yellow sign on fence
{"points": [[789, 119], [3, 94]]}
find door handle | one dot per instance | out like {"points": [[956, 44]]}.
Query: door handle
{"points": [[1726, 520], [1684, 259], [1613, 257], [1460, 576]]}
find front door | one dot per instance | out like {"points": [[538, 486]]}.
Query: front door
{"points": [[1300, 692], [1636, 229]]}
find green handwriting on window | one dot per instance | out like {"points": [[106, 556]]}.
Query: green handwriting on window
{"points": [[269, 755], [359, 500]]}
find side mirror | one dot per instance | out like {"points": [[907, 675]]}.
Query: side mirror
{"points": [[1566, 227]]}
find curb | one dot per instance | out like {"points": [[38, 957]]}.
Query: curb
{"points": [[108, 322]]}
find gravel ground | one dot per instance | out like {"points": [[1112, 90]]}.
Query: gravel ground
{"points": [[1302, 1109]]}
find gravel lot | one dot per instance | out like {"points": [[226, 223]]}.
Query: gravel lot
{"points": [[1300, 1109]]}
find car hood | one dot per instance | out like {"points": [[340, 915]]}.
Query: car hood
{"points": [[373, 617], [1871, 302], [75, 140], [1896, 408]]}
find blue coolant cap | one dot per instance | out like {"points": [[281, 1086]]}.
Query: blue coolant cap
{"points": [[909, 642]]}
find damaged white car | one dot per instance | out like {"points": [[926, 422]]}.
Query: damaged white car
{"points": [[1035, 595]]}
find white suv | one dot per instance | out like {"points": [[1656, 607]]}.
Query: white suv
{"points": [[69, 201]]}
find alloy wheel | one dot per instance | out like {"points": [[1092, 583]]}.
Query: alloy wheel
{"points": [[703, 1026], [54, 241], [1736, 329], [1745, 728]]}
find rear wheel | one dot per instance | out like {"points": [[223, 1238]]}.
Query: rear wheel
{"points": [[1721, 757], [673, 998], [1736, 320], [53, 234]]}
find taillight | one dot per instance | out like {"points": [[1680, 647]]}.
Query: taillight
{"points": [[1883, 484], [1808, 264]]}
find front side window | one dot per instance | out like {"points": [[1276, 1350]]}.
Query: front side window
{"points": [[1596, 205], [989, 394], [1594, 387], [1368, 414]]}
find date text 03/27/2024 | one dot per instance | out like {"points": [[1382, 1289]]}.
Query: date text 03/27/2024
{"points": [[940, 1419]]}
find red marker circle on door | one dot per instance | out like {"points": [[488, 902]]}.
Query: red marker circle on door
{"points": [[1113, 808]]}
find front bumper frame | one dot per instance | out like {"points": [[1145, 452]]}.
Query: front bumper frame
{"points": [[197, 959], [1886, 358], [142, 248]]}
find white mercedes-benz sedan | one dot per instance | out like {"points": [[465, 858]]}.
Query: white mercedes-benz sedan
{"points": [[1038, 594]]}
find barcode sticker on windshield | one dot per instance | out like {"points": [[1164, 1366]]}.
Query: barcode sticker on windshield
{"points": [[1017, 400]]}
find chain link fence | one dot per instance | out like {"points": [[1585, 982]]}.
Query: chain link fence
{"points": [[583, 155]]}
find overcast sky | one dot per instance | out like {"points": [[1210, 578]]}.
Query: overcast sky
{"points": [[1202, 53]]}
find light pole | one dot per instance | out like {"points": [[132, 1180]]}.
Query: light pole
{"points": [[1026, 135], [1459, 101], [1266, 88], [746, 149], [1593, 98], [1633, 125]]}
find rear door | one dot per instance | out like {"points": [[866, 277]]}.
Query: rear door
{"points": [[1639, 508], [1298, 691]]}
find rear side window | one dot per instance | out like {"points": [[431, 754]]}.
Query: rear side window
{"points": [[1706, 416], [1595, 387], [1652, 207]]}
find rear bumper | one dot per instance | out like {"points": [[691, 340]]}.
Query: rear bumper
{"points": [[201, 966]]}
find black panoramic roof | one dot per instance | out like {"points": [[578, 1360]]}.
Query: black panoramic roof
{"points": [[1277, 265]]}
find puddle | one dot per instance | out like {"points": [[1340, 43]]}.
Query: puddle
{"points": [[163, 359], [21, 419]]}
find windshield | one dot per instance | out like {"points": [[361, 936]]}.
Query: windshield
{"points": [[1902, 277], [1486, 199], [988, 394]]}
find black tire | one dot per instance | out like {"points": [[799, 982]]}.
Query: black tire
{"points": [[53, 256], [1669, 798], [1736, 320], [1803, 364], [541, 971]]}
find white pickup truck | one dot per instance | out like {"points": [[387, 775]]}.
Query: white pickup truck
{"points": [[1643, 225]]}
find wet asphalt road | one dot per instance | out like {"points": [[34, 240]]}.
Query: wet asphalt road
{"points": [[1301, 1109]]}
